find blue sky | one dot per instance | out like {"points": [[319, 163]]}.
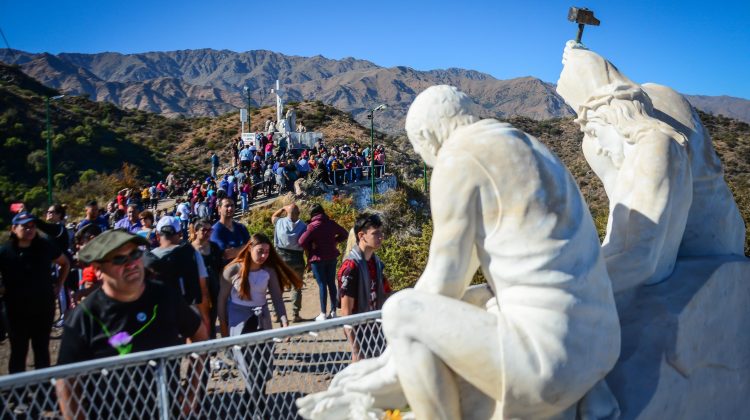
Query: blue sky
{"points": [[697, 47]]}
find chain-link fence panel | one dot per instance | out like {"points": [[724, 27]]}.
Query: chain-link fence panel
{"points": [[256, 376]]}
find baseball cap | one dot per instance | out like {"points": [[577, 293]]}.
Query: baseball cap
{"points": [[22, 218], [107, 242], [168, 225], [90, 230]]}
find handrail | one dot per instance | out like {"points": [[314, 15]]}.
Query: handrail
{"points": [[51, 373]]}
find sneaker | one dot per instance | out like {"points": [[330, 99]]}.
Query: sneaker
{"points": [[332, 315], [297, 319], [321, 317]]}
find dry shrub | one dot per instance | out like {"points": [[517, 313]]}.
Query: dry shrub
{"points": [[102, 188]]}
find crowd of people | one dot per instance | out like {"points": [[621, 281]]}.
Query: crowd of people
{"points": [[133, 276], [268, 165]]}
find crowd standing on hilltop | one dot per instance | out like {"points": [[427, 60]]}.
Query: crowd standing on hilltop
{"points": [[133, 276]]}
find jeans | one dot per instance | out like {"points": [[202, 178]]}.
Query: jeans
{"points": [[295, 260], [325, 275], [184, 227], [213, 171], [243, 196]]}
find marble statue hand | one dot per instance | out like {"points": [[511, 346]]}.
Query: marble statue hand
{"points": [[570, 46], [359, 391], [336, 404]]}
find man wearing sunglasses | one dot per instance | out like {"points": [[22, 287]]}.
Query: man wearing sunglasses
{"points": [[125, 303], [127, 314], [30, 289]]}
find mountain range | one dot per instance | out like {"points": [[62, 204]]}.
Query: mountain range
{"points": [[209, 82]]}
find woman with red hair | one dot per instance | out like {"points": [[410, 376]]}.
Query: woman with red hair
{"points": [[255, 271]]}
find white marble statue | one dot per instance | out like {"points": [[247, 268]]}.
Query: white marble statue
{"points": [[282, 127], [542, 332], [291, 119], [267, 126], [664, 181]]}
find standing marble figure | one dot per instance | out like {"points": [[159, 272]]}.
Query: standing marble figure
{"points": [[540, 334]]}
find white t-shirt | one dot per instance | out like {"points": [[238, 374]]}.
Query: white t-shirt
{"points": [[184, 210], [258, 287]]}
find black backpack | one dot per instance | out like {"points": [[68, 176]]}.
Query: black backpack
{"points": [[178, 269]]}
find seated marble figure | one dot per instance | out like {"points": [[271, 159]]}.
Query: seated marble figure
{"points": [[539, 335], [665, 184]]}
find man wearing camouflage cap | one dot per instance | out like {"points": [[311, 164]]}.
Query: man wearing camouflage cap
{"points": [[127, 314]]}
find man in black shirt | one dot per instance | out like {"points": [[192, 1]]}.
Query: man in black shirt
{"points": [[127, 314], [30, 290]]}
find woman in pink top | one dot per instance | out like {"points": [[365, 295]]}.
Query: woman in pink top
{"points": [[269, 148]]}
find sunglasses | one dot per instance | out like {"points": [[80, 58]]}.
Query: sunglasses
{"points": [[125, 259]]}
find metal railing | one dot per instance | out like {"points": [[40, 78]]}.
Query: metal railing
{"points": [[295, 140], [348, 176], [256, 375]]}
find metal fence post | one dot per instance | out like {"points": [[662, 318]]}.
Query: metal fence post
{"points": [[161, 378]]}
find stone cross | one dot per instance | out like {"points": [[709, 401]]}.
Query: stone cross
{"points": [[279, 101]]}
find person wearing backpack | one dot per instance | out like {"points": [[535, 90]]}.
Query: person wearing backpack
{"points": [[179, 265]]}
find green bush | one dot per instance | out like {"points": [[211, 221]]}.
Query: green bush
{"points": [[59, 141], [259, 221], [59, 181], [88, 175], [13, 142], [405, 257], [35, 197], [37, 160], [108, 151]]}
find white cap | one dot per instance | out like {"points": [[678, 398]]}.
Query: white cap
{"points": [[167, 224]]}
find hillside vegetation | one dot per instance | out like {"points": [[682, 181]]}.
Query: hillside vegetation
{"points": [[88, 139], [98, 148]]}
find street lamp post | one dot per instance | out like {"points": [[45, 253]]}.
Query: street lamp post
{"points": [[49, 148], [371, 117], [247, 93]]}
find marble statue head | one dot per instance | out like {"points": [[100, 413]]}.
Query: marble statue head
{"points": [[611, 108], [433, 116], [584, 73]]}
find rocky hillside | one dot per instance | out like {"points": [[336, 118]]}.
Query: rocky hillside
{"points": [[209, 83], [727, 106]]}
